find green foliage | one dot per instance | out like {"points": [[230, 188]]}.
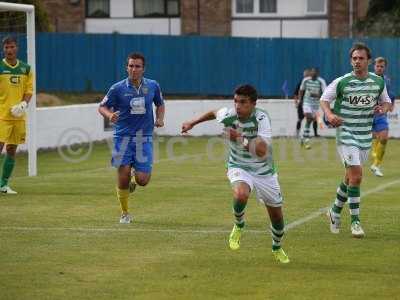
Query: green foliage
{"points": [[14, 21], [382, 20]]}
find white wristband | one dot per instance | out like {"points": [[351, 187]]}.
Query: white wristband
{"points": [[245, 142]]}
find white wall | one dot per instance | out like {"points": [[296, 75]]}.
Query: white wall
{"points": [[166, 26], [256, 28], [305, 29], [66, 125], [280, 28]]}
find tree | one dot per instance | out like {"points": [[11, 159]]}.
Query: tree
{"points": [[383, 19], [15, 21]]}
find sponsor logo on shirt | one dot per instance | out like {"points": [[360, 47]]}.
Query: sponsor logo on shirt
{"points": [[15, 79], [361, 100]]}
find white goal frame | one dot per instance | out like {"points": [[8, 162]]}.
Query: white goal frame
{"points": [[31, 55]]}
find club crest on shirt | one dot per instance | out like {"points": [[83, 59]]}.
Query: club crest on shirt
{"points": [[145, 90]]}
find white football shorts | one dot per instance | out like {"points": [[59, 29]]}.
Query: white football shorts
{"points": [[310, 108], [267, 188], [351, 155]]}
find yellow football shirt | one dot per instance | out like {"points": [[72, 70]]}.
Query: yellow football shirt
{"points": [[15, 82]]}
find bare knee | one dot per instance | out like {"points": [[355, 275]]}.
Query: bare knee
{"points": [[142, 179], [355, 181], [11, 150], [241, 192]]}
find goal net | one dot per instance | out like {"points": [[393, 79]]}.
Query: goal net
{"points": [[18, 20]]}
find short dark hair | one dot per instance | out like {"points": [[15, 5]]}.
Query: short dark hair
{"points": [[360, 46], [381, 59], [136, 55], [247, 90], [9, 39]]}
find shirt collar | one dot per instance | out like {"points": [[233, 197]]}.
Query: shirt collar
{"points": [[128, 83]]}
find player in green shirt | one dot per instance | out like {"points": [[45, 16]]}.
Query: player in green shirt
{"points": [[358, 96], [250, 164]]}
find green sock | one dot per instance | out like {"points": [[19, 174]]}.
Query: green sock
{"points": [[238, 211], [306, 131], [8, 167], [354, 202], [341, 198], [277, 232]]}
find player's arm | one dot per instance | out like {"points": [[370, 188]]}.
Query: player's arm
{"points": [[106, 105], [208, 116], [160, 112], [19, 109], [301, 95], [302, 90], [328, 96], [27, 98], [158, 101], [385, 103], [29, 88], [108, 114], [257, 146], [296, 95]]}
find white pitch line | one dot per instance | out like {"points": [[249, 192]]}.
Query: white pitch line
{"points": [[115, 229], [323, 210], [290, 226]]}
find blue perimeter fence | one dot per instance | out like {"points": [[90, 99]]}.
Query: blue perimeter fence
{"points": [[196, 65]]}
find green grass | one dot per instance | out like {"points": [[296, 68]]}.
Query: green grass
{"points": [[60, 237]]}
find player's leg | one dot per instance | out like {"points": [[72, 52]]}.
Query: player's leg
{"points": [[315, 127], [277, 232], [334, 213], [300, 117], [374, 138], [306, 132], [241, 187], [12, 134], [124, 172], [353, 158], [379, 147], [269, 192], [380, 129], [354, 174], [122, 159], [383, 137], [143, 161], [1, 155], [9, 164]]}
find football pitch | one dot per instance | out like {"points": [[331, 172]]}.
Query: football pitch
{"points": [[60, 237]]}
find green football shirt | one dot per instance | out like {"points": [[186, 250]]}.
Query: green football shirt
{"points": [[257, 125]]}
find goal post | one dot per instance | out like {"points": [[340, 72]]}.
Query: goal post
{"points": [[29, 10]]}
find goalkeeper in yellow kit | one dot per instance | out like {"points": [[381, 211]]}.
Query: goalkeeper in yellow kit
{"points": [[15, 94]]}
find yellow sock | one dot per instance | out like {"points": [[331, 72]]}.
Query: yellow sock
{"points": [[123, 195], [374, 145], [380, 151]]}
